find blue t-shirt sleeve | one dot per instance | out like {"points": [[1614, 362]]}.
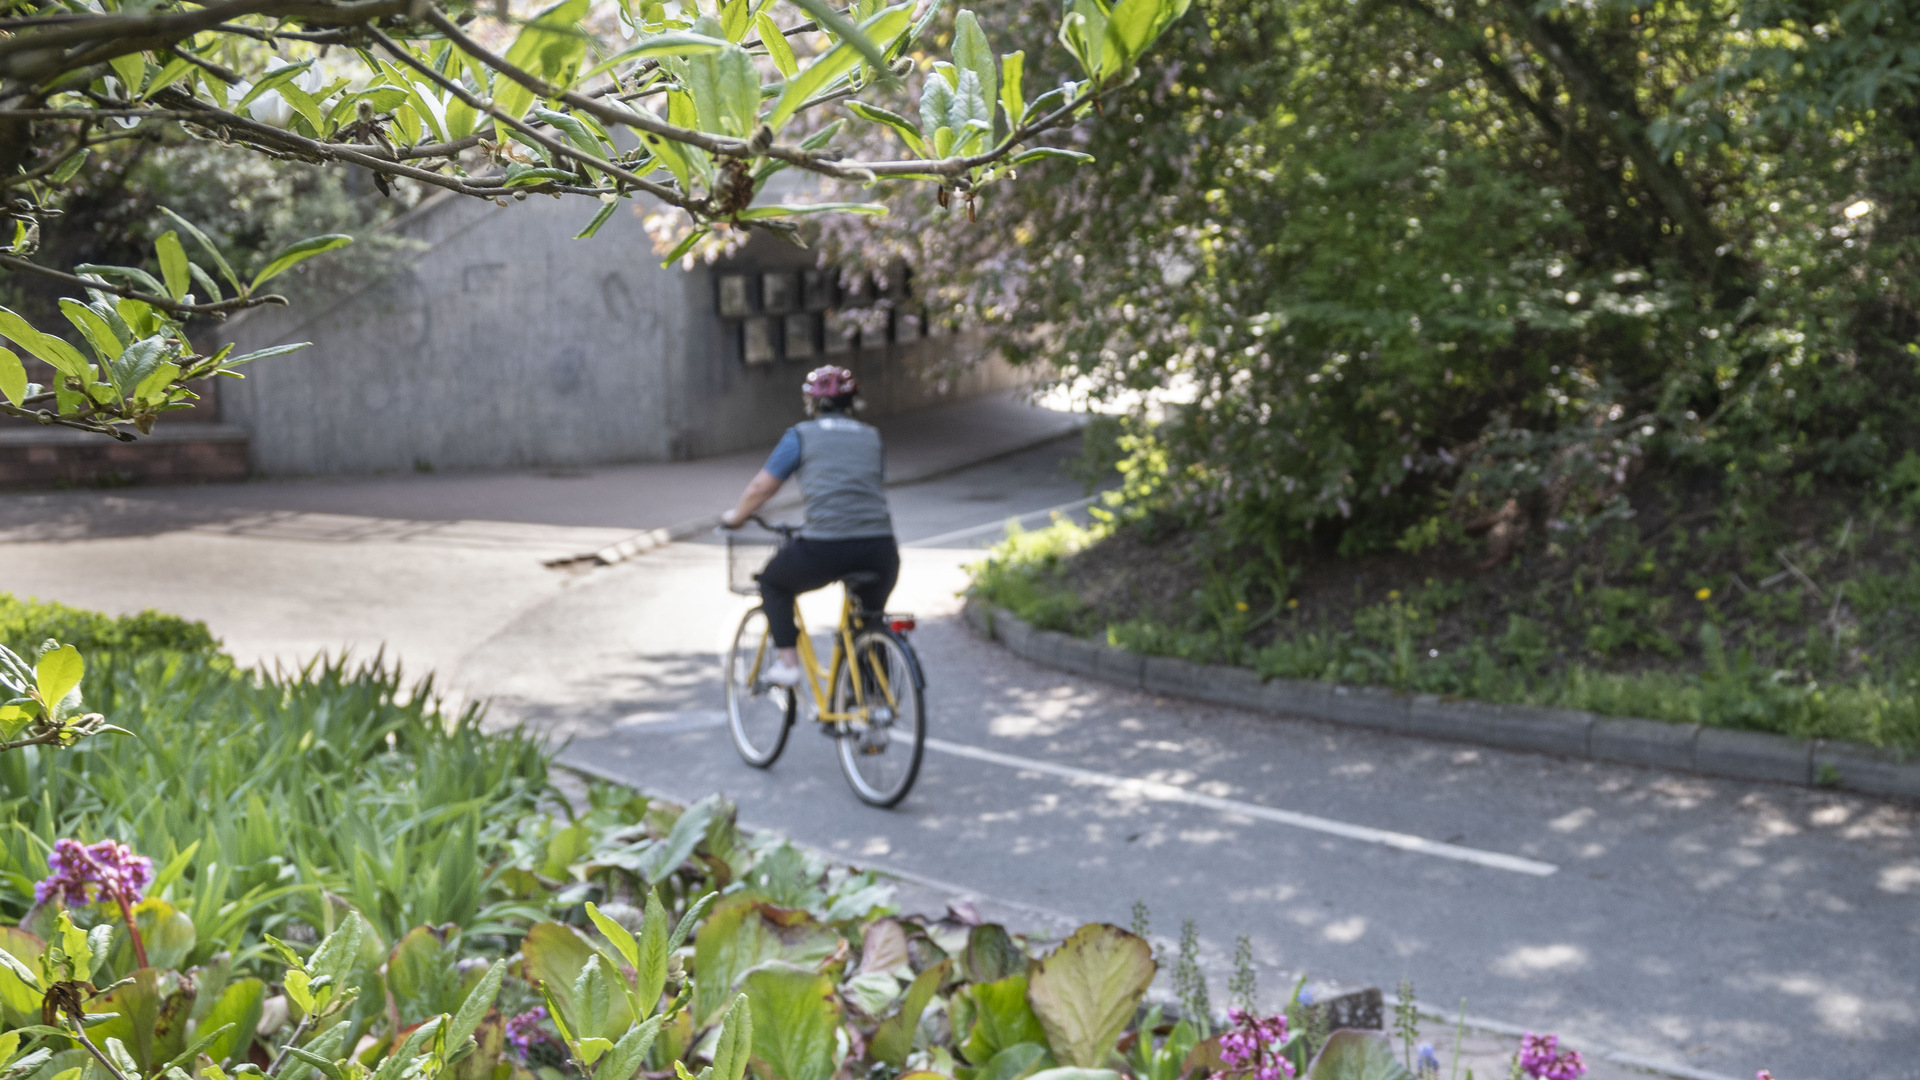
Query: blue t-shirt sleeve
{"points": [[785, 459]]}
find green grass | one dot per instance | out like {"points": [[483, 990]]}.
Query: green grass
{"points": [[1651, 645], [287, 787]]}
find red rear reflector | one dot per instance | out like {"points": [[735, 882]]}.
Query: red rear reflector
{"points": [[902, 625]]}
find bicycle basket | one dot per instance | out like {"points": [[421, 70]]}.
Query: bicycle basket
{"points": [[748, 551]]}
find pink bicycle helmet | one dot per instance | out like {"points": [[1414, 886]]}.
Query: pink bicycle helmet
{"points": [[829, 382]]}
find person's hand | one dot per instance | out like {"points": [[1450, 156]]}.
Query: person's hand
{"points": [[731, 520]]}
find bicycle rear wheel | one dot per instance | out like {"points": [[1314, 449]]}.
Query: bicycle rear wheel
{"points": [[758, 715], [880, 752]]}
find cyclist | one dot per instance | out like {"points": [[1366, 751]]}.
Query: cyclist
{"points": [[841, 469]]}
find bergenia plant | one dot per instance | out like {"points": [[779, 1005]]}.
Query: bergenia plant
{"points": [[106, 872]]}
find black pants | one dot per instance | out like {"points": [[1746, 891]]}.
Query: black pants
{"points": [[806, 565]]}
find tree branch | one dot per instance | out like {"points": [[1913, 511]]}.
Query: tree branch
{"points": [[237, 303]]}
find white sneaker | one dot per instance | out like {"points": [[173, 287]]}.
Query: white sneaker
{"points": [[781, 673]]}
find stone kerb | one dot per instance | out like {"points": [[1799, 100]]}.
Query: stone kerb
{"points": [[1743, 755]]}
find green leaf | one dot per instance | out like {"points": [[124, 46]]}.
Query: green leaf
{"points": [[971, 52], [219, 260], [475, 1008], [551, 46], [970, 116], [397, 1062], [131, 369], [651, 956], [117, 1053], [621, 937], [739, 86], [734, 19], [798, 1018], [56, 675], [296, 253], [630, 1052], [558, 957], [326, 1065], [862, 38], [273, 80], [900, 124], [1011, 66], [685, 245], [759, 213], [1087, 990], [69, 167], [132, 70], [893, 1040], [837, 61], [1016, 1062], [48, 348], [14, 966], [991, 954], [737, 1044], [936, 105], [1357, 1055], [1134, 24], [678, 43], [239, 1006], [173, 264], [1001, 1018], [743, 932], [592, 1049], [13, 377], [776, 45], [1040, 153]]}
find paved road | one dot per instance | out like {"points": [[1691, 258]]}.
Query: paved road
{"points": [[1714, 924]]}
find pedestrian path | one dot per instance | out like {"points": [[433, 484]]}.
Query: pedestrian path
{"points": [[556, 513]]}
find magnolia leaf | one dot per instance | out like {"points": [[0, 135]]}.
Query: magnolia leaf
{"points": [[296, 253], [173, 264], [898, 123], [273, 80], [971, 53], [885, 26], [1011, 99], [1087, 990], [735, 17], [61, 355], [760, 213], [13, 377], [678, 43], [68, 168], [936, 105], [219, 260], [56, 675], [776, 45], [551, 47], [1040, 153]]}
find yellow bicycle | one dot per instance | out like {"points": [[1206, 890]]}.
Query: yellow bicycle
{"points": [[868, 698]]}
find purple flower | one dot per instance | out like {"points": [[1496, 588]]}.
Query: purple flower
{"points": [[109, 867], [1427, 1063], [1542, 1058], [524, 1032], [1252, 1046]]}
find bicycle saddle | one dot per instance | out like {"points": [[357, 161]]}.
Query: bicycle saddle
{"points": [[858, 578]]}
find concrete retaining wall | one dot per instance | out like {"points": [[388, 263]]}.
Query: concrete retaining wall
{"points": [[507, 343], [1743, 755]]}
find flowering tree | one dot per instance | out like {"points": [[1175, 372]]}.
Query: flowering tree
{"points": [[694, 109]]}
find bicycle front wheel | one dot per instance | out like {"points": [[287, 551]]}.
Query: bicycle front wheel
{"points": [[880, 748], [758, 715]]}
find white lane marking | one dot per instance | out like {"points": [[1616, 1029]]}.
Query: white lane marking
{"points": [[667, 723], [1164, 792], [974, 530]]}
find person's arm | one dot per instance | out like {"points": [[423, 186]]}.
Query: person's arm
{"points": [[782, 463], [762, 487]]}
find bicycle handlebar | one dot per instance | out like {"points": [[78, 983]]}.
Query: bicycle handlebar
{"points": [[787, 532]]}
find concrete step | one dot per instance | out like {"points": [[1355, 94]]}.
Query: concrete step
{"points": [[32, 456]]}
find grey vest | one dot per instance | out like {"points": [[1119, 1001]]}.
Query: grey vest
{"points": [[842, 469]]}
